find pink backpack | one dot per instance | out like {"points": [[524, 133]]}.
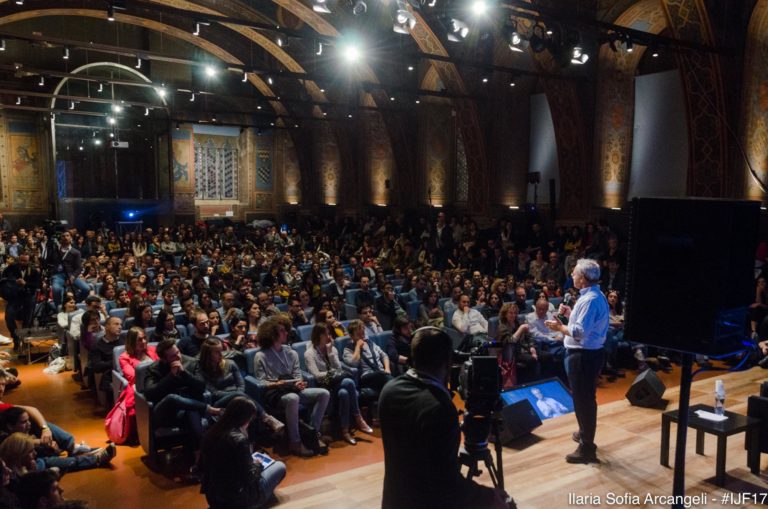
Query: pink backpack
{"points": [[120, 422]]}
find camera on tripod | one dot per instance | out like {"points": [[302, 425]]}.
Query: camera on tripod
{"points": [[479, 385], [54, 227]]}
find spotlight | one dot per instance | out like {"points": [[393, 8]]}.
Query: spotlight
{"points": [[245, 77], [281, 41], [71, 105], [320, 6], [512, 82], [101, 87], [630, 46], [131, 214], [65, 53], [97, 141], [146, 112], [161, 92], [654, 52], [485, 79], [457, 30], [392, 98], [578, 56], [410, 67], [210, 71], [192, 97], [432, 3], [359, 7], [80, 148], [479, 8], [41, 83], [138, 63], [18, 100], [418, 101], [117, 108], [515, 40], [110, 12], [111, 120], [19, 2], [351, 53], [270, 80], [404, 19], [319, 49], [2, 44]]}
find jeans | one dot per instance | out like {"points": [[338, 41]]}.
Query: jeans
{"points": [[346, 395], [174, 408], [583, 367], [317, 398], [63, 439], [59, 283]]}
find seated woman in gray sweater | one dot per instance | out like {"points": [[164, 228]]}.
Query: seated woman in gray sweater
{"points": [[278, 365]]}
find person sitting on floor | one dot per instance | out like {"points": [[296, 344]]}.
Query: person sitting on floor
{"points": [[231, 478]]}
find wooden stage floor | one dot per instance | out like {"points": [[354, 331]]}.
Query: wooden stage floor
{"points": [[535, 472]]}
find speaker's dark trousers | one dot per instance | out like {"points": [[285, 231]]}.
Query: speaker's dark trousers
{"points": [[19, 309], [583, 367]]}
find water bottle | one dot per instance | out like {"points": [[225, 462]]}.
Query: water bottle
{"points": [[719, 397]]}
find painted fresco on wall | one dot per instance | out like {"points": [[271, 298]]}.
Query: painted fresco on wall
{"points": [[264, 164], [184, 202], [24, 156], [217, 171], [436, 158], [31, 199], [380, 160], [756, 104], [329, 164], [292, 172], [183, 167]]}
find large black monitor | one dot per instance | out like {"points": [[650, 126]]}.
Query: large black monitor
{"points": [[690, 273]]}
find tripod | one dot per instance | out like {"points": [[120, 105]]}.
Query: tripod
{"points": [[471, 453]]}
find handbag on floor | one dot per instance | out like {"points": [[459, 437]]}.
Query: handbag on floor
{"points": [[119, 424]]}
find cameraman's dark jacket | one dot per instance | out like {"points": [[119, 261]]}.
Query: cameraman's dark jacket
{"points": [[31, 278], [420, 431]]}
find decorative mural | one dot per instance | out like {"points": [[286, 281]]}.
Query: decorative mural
{"points": [[216, 167], [328, 161], [183, 160], [436, 128], [756, 105], [380, 160], [292, 173], [462, 172], [615, 109], [264, 162], [25, 167], [689, 21]]}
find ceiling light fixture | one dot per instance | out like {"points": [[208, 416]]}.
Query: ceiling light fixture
{"points": [[71, 105], [457, 30], [2, 44], [245, 77], [579, 56], [359, 7], [405, 21], [65, 53], [101, 87], [321, 6], [110, 12], [138, 63], [41, 83]]}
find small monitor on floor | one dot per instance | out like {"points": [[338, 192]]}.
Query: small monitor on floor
{"points": [[550, 398]]}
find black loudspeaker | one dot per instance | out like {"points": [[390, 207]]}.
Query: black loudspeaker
{"points": [[518, 419], [646, 390], [690, 273]]}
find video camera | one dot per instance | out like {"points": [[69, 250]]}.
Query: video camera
{"points": [[479, 385], [54, 227]]}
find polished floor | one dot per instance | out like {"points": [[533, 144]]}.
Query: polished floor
{"points": [[351, 476]]}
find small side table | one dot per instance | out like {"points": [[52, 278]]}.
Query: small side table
{"points": [[735, 423]]}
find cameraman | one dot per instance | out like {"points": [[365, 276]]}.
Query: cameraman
{"points": [[420, 431], [22, 302], [66, 266]]}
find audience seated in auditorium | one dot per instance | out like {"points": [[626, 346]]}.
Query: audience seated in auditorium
{"points": [[368, 357]]}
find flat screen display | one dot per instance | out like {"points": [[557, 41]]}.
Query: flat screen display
{"points": [[549, 397]]}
